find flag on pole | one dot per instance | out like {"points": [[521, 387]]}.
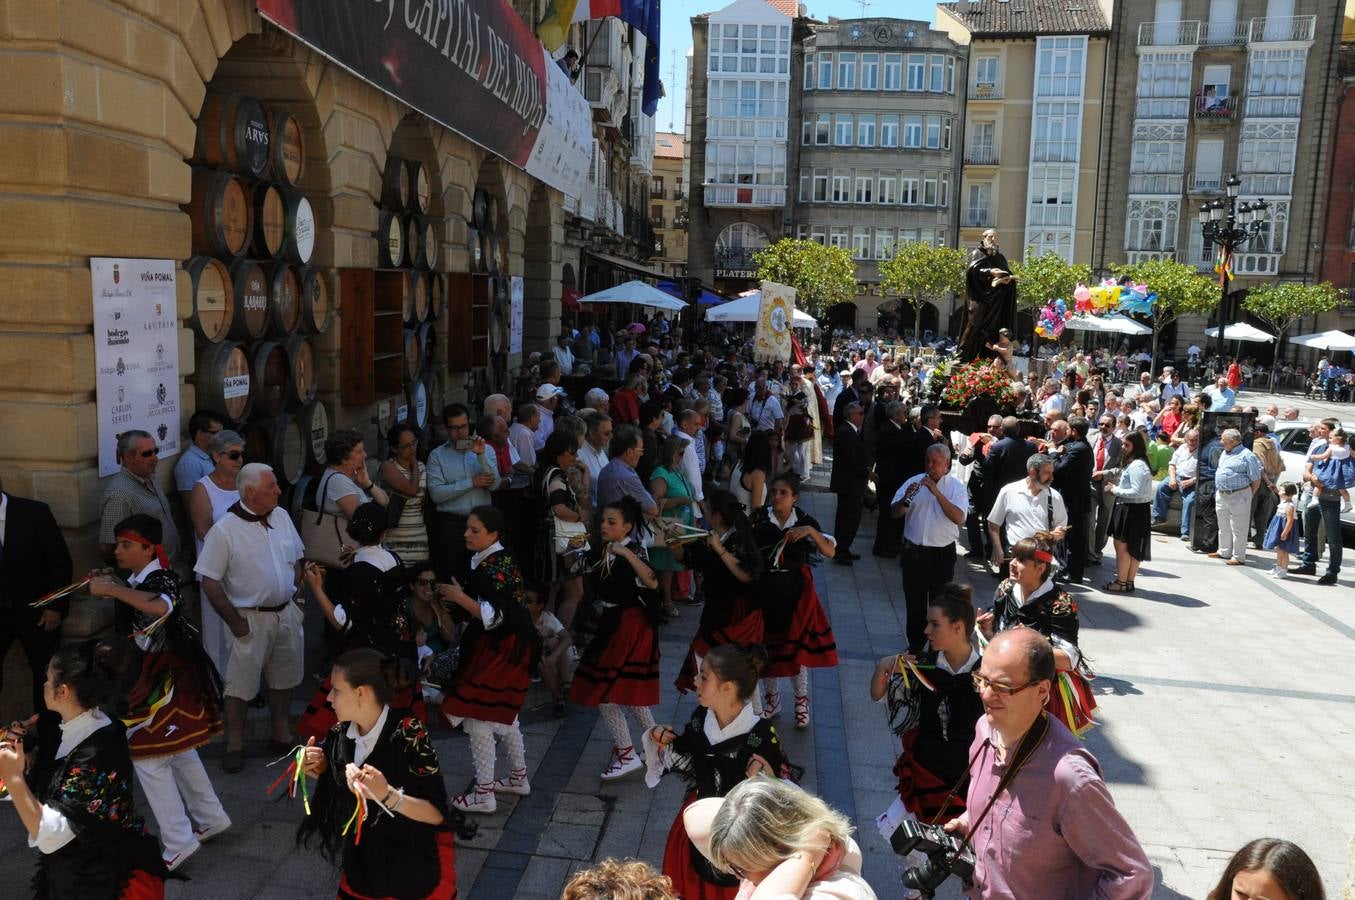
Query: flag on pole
{"points": [[642, 14], [1223, 265]]}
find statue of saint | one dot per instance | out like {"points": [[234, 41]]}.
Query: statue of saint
{"points": [[991, 300]]}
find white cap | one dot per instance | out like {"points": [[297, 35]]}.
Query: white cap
{"points": [[548, 390]]}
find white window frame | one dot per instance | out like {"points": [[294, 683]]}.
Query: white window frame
{"points": [[916, 68], [846, 71], [865, 131], [886, 190], [889, 131], [860, 243], [912, 132], [825, 66], [841, 190], [891, 74], [910, 190], [864, 191], [870, 71], [844, 126]]}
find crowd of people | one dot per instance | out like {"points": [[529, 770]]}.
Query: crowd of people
{"points": [[633, 480]]}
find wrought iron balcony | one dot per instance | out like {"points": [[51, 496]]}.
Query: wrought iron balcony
{"points": [[1185, 33], [1215, 109], [739, 259], [986, 91], [744, 195], [1222, 34], [977, 218], [981, 156], [1283, 29], [1205, 183]]}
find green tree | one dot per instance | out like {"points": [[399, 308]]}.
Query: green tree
{"points": [[1281, 305], [1181, 290], [921, 273], [822, 276], [1049, 276]]}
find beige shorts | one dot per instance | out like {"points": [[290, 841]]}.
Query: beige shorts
{"points": [[273, 649]]}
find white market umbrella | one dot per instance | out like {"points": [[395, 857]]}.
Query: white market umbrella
{"points": [[1326, 340], [1107, 325], [638, 292], [745, 309], [1241, 331]]}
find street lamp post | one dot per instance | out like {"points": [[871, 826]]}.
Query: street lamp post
{"points": [[1228, 225]]}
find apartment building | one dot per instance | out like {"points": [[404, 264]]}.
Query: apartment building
{"points": [[668, 205], [738, 99], [879, 113], [1033, 108], [1337, 260]]}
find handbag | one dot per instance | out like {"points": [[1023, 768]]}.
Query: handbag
{"points": [[570, 537], [322, 533]]}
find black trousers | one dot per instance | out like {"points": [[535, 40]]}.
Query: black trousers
{"points": [[22, 624], [889, 530], [1204, 534], [1078, 520], [451, 559], [847, 519], [925, 572]]}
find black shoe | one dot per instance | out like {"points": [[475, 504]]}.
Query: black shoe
{"points": [[887, 554], [843, 560], [1329, 578], [1094, 562], [849, 555], [1305, 569]]}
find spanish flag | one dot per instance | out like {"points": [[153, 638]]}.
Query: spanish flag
{"points": [[642, 14]]}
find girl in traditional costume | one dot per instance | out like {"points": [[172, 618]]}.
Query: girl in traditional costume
{"points": [[797, 633], [620, 668], [380, 805]]}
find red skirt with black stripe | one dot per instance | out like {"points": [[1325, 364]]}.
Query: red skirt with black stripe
{"points": [[168, 711], [745, 627], [922, 793], [677, 864], [491, 683], [142, 885], [621, 664], [446, 886], [319, 716], [807, 642]]}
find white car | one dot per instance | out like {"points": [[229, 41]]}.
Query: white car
{"points": [[1293, 439]]}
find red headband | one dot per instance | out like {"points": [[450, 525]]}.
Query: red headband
{"points": [[138, 539], [1044, 556]]}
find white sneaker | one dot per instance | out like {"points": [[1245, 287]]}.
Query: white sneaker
{"points": [[479, 801], [206, 834], [1345, 506], [1278, 573], [623, 763], [514, 784], [174, 862]]}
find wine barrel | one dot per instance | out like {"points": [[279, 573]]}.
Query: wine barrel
{"points": [[428, 343], [477, 250], [284, 299], [286, 146], [387, 409], [420, 189], [437, 295], [413, 355], [300, 219], [278, 442], [212, 298], [233, 134], [491, 252], [416, 397], [491, 213], [249, 287], [433, 390], [268, 362], [270, 224], [413, 239], [220, 214], [301, 383], [390, 238], [224, 381], [419, 284], [479, 208], [432, 243], [395, 185], [501, 251], [314, 421], [316, 309]]}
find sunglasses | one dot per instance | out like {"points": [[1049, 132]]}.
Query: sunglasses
{"points": [[425, 582], [147, 454], [233, 455]]}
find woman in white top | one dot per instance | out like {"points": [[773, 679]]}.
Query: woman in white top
{"points": [[748, 481], [345, 483], [212, 497], [404, 476], [1130, 520]]}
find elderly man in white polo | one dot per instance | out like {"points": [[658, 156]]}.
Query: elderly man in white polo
{"points": [[251, 566]]}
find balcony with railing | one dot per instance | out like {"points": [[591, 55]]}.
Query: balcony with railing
{"points": [[1138, 256], [744, 195], [1256, 263], [1162, 108], [1224, 34], [977, 218], [1215, 109], [1205, 183], [1184, 33], [678, 194], [637, 228], [1268, 106], [1156, 184], [1266, 184], [981, 156], [986, 90], [1283, 29]]}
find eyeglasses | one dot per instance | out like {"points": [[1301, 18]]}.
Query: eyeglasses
{"points": [[737, 871], [233, 454], [405, 445], [425, 582], [147, 454], [1005, 690]]}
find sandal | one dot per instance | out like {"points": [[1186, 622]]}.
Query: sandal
{"points": [[1119, 587]]}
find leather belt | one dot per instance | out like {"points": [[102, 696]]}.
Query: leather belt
{"points": [[909, 545], [1236, 490], [279, 608]]}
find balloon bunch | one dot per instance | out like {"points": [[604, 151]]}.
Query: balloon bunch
{"points": [[1052, 319], [1135, 299], [1100, 298]]}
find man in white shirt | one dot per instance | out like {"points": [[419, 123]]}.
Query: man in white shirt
{"points": [[764, 410], [522, 433], [1180, 479], [1054, 401], [548, 398], [689, 430], [1221, 397], [933, 506], [1145, 389], [250, 568], [1026, 507], [593, 453], [563, 354]]}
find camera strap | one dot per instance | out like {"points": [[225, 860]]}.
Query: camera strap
{"points": [[1025, 748]]}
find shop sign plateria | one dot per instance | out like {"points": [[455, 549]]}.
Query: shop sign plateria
{"points": [[472, 65]]}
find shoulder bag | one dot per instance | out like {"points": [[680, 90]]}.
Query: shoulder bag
{"points": [[322, 533]]}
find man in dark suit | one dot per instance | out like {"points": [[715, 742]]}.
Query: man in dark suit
{"points": [[857, 392], [1105, 448], [1073, 469], [33, 561], [891, 451], [1006, 459], [848, 482]]}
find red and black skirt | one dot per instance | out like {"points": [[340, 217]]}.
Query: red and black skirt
{"points": [[690, 881], [319, 716], [1072, 701], [621, 664], [808, 639], [923, 793], [491, 682], [168, 710], [745, 626], [444, 890]]}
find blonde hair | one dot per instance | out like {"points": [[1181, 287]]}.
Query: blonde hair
{"points": [[619, 880], [764, 821]]}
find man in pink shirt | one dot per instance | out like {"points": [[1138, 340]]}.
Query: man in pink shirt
{"points": [[1050, 830]]}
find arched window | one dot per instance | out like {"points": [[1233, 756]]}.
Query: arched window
{"points": [[735, 246]]}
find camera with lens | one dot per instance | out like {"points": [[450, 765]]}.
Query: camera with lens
{"points": [[946, 855]]}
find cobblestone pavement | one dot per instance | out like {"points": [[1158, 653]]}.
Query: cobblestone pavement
{"points": [[1225, 705]]}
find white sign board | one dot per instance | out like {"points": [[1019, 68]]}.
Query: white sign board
{"points": [[771, 337], [136, 353], [515, 314]]}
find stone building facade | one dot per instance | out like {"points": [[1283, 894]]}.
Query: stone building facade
{"points": [[668, 205], [877, 126]]}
